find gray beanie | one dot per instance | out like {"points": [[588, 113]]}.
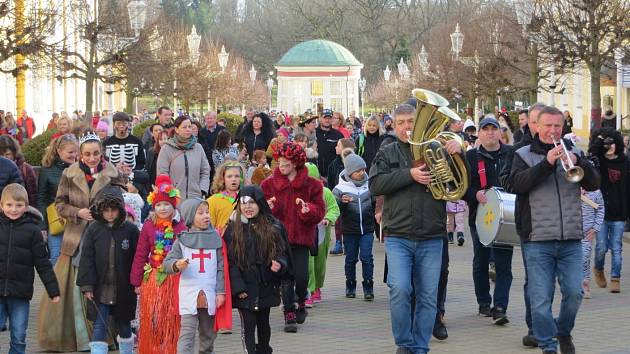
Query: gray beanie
{"points": [[352, 163], [188, 209]]}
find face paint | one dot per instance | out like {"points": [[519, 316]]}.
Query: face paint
{"points": [[164, 210]]}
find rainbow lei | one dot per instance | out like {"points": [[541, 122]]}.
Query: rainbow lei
{"points": [[164, 238]]}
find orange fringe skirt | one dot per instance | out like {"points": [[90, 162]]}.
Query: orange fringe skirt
{"points": [[158, 324]]}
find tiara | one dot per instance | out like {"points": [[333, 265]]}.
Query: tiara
{"points": [[88, 136]]}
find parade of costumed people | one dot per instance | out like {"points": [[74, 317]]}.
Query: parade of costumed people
{"points": [[159, 324]]}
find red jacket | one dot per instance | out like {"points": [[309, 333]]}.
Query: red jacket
{"points": [[27, 124], [300, 227], [145, 245]]}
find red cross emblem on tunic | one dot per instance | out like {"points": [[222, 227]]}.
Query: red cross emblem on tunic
{"points": [[201, 256]]}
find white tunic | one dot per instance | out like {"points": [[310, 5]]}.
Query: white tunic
{"points": [[200, 275]]}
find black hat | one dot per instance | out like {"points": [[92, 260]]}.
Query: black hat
{"points": [[121, 116]]}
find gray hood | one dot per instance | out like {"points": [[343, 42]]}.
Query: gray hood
{"points": [[188, 208], [206, 239]]}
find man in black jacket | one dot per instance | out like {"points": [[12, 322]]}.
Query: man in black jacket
{"points": [[165, 119], [531, 130], [327, 138], [549, 223], [414, 225], [486, 162], [208, 135]]}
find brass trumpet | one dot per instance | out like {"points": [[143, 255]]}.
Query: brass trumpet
{"points": [[573, 174]]}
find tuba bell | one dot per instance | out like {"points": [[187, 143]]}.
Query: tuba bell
{"points": [[449, 178]]}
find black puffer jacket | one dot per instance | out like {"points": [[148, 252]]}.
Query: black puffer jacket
{"points": [[259, 282], [96, 246], [22, 248], [47, 184]]}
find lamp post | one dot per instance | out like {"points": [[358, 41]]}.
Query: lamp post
{"points": [[619, 54], [194, 41], [457, 43], [403, 69], [270, 87], [552, 84], [223, 58], [362, 86], [137, 11], [387, 73], [524, 13], [252, 74], [423, 60]]}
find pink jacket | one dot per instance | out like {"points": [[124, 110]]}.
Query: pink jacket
{"points": [[143, 250]]}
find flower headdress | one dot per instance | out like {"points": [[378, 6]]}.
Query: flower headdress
{"points": [[163, 191], [292, 152]]}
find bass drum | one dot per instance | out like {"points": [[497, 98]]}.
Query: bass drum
{"points": [[495, 219]]}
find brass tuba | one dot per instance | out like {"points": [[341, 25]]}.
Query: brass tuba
{"points": [[449, 178]]}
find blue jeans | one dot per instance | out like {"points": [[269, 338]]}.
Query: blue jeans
{"points": [[547, 261], [503, 266], [413, 272], [610, 237], [16, 310], [101, 325], [54, 247], [357, 247]]}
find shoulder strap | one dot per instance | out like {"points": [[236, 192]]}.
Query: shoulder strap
{"points": [[481, 168]]}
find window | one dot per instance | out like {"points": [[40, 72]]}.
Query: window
{"points": [[335, 88], [336, 104], [317, 88]]}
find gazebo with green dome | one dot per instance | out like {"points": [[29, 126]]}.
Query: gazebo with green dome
{"points": [[318, 74]]}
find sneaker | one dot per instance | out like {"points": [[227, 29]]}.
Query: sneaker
{"points": [[485, 311], [460, 238], [224, 331], [450, 238], [338, 249], [499, 317], [290, 324], [402, 350], [317, 296], [566, 344], [309, 303], [600, 278], [530, 341], [301, 313]]}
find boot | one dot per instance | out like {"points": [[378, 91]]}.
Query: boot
{"points": [[450, 237], [600, 278], [338, 249], [290, 325], [460, 238], [98, 348], [439, 328], [351, 289], [368, 290], [615, 285], [301, 313], [125, 345]]}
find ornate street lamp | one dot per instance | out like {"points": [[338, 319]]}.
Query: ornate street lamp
{"points": [[423, 60], [457, 42], [223, 58], [252, 74], [387, 73], [362, 86], [270, 87], [524, 13], [137, 10], [403, 69], [194, 41]]}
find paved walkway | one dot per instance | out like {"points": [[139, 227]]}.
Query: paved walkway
{"points": [[340, 325]]}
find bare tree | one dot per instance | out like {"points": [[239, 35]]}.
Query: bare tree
{"points": [[576, 33]]}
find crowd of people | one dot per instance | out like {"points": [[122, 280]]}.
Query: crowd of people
{"points": [[143, 242]]}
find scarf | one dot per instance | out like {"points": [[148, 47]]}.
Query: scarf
{"points": [[183, 144], [91, 173]]}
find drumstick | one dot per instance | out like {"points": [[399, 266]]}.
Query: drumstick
{"points": [[588, 201], [380, 234]]}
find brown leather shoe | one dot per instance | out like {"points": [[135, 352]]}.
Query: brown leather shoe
{"points": [[615, 285], [600, 278]]}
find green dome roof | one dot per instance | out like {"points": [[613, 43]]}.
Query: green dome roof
{"points": [[318, 52]]}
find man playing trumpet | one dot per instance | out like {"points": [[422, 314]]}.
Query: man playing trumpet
{"points": [[549, 221]]}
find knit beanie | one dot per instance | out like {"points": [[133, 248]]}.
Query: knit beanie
{"points": [[163, 191], [352, 163], [188, 209]]}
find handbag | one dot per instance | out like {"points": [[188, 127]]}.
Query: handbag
{"points": [[56, 224]]}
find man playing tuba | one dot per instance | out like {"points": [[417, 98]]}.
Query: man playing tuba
{"points": [[414, 223]]}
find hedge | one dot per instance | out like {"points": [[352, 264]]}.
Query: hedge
{"points": [[232, 121], [33, 150], [139, 129]]}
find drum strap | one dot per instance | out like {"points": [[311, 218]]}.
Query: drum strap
{"points": [[481, 167]]}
